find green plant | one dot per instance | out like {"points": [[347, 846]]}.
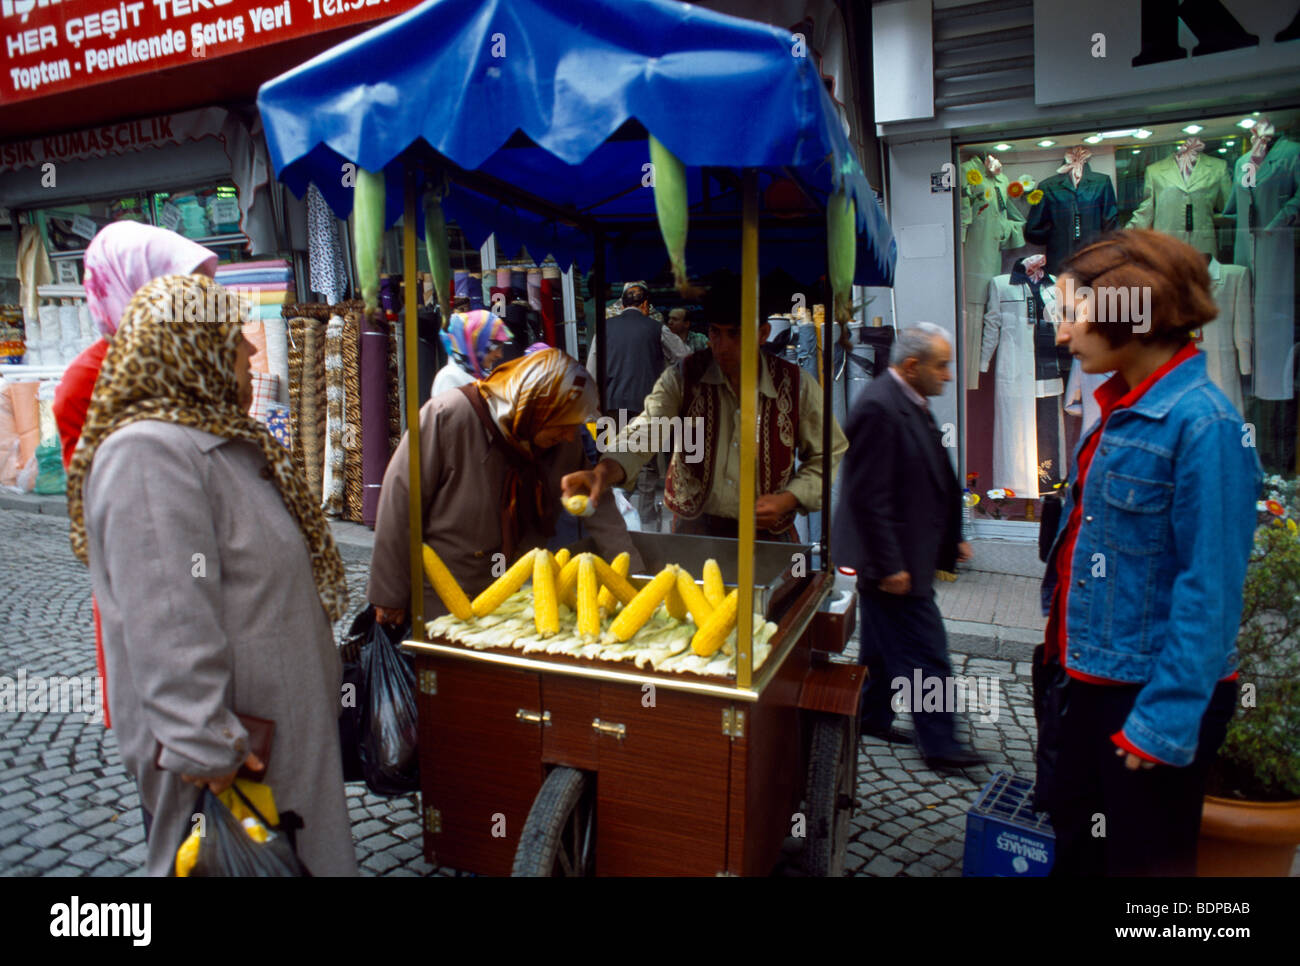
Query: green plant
{"points": [[1260, 757]]}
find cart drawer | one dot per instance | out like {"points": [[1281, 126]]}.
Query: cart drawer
{"points": [[480, 761]]}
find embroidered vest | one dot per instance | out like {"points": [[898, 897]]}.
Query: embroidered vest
{"points": [[688, 485]]}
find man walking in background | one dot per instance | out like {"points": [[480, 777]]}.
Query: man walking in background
{"points": [[899, 520], [679, 323]]}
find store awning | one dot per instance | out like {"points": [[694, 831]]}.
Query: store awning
{"points": [[553, 98]]}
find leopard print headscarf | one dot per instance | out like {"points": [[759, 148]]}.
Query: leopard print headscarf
{"points": [[173, 360]]}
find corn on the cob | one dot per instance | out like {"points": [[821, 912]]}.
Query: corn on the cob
{"points": [[693, 598], [715, 630], [617, 583], [634, 615], [566, 584], [715, 591], [505, 585], [435, 243], [672, 208], [546, 610], [620, 566], [445, 586], [588, 607], [673, 602], [560, 559], [842, 251], [368, 233]]}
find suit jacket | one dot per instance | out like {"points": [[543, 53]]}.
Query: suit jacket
{"points": [[633, 361], [1165, 197], [1052, 221], [900, 503]]}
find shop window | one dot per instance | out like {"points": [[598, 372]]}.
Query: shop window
{"points": [[1027, 404]]}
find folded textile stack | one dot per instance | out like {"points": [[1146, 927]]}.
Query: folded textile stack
{"points": [[265, 286]]}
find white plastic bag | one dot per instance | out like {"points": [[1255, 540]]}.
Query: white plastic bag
{"points": [[630, 517]]}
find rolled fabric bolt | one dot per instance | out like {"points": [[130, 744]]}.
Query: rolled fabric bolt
{"points": [[551, 271], [503, 278], [534, 283], [476, 291], [547, 304], [499, 300], [462, 283], [519, 282]]}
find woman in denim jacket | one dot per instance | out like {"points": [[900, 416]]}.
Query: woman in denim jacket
{"points": [[1143, 590]]}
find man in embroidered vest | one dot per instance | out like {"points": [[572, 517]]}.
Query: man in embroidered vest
{"points": [[695, 407], [898, 521]]}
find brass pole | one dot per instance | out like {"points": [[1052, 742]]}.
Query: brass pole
{"points": [[411, 349], [748, 429]]}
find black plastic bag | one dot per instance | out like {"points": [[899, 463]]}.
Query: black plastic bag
{"points": [[227, 850], [388, 724], [353, 693]]}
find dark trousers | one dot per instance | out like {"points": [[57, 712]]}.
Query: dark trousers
{"points": [[897, 636], [1112, 821]]}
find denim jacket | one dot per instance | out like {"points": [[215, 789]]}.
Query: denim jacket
{"points": [[1166, 531]]}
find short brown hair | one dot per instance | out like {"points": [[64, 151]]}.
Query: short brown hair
{"points": [[1172, 271]]}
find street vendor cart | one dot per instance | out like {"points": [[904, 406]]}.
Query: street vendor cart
{"points": [[559, 125]]}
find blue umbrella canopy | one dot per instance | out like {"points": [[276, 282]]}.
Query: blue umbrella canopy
{"points": [[551, 100]]}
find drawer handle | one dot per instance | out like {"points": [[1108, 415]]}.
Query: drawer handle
{"points": [[533, 717], [619, 731]]}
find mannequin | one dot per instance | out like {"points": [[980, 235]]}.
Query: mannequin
{"points": [[1077, 206], [989, 225], [1267, 207], [1027, 422], [1227, 340], [1181, 193]]}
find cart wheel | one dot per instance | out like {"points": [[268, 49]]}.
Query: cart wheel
{"points": [[559, 836], [831, 778]]}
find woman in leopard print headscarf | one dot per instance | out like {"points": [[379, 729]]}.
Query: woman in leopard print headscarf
{"points": [[216, 575]]}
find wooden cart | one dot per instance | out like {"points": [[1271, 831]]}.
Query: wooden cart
{"points": [[541, 764]]}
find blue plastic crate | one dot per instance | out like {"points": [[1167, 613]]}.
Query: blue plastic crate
{"points": [[1004, 836]]}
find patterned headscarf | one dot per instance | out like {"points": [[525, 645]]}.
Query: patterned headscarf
{"points": [[125, 255], [173, 360], [1186, 156], [469, 337], [1075, 159], [527, 394], [1261, 136]]}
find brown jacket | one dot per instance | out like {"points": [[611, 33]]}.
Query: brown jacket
{"points": [[462, 479]]}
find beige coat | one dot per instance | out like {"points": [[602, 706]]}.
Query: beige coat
{"points": [[208, 608], [462, 477]]}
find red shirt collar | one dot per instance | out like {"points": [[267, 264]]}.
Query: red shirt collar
{"points": [[1114, 393]]}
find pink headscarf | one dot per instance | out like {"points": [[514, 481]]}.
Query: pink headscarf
{"points": [[124, 256]]}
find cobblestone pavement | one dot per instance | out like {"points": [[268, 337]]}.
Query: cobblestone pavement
{"points": [[68, 808]]}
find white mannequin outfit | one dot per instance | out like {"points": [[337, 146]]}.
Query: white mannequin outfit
{"points": [[1227, 340], [1009, 331]]}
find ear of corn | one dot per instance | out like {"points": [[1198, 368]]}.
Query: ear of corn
{"points": [[368, 233], [634, 615], [622, 563], [561, 559], [842, 251], [435, 243], [693, 598], [673, 602], [566, 584], [546, 610], [445, 586], [588, 606], [715, 630], [616, 582], [715, 591], [505, 585], [671, 208]]}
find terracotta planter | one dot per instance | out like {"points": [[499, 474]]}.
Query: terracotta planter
{"points": [[1248, 838]]}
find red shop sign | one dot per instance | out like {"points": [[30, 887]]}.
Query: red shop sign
{"points": [[52, 46]]}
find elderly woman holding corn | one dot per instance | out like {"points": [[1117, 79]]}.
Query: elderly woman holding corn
{"points": [[492, 455]]}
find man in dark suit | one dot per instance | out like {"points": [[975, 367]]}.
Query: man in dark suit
{"points": [[899, 520]]}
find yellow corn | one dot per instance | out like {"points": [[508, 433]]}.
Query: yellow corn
{"points": [[715, 630], [615, 581], [546, 611], [634, 614], [588, 607], [566, 583], [673, 600], [505, 585], [622, 563], [693, 597], [714, 590], [445, 586], [561, 559]]}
